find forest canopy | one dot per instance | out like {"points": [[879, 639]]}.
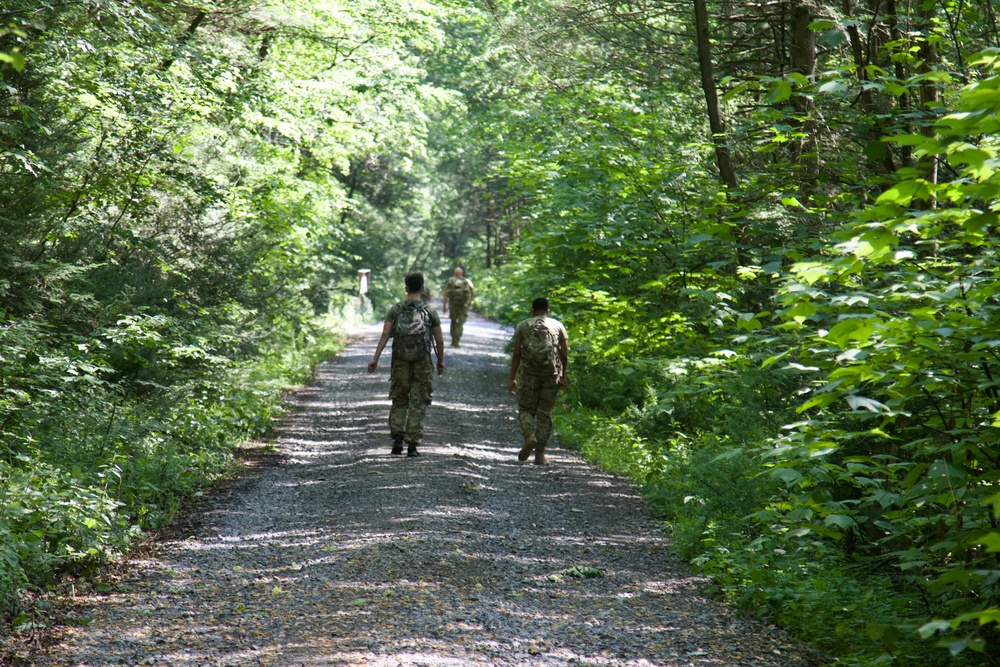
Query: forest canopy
{"points": [[770, 229]]}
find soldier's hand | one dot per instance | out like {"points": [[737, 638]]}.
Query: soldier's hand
{"points": [[372, 365], [562, 382], [440, 366], [513, 387]]}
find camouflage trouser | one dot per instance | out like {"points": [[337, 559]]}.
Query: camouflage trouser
{"points": [[410, 387], [459, 313], [536, 396]]}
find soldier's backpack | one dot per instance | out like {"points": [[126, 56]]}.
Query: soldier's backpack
{"points": [[459, 290], [539, 349], [411, 332]]}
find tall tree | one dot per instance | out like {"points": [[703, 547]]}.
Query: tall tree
{"points": [[722, 155]]}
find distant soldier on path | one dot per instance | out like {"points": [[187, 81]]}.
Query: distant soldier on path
{"points": [[541, 354], [414, 327], [458, 295]]}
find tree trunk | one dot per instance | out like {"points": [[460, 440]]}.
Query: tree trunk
{"points": [[489, 242], [726, 171], [803, 61], [896, 35], [858, 52], [928, 89], [185, 38]]}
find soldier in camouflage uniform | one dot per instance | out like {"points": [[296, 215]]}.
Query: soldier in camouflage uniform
{"points": [[458, 296], [410, 381], [541, 354]]}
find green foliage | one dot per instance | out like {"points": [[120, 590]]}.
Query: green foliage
{"points": [[604, 441], [58, 519], [182, 192], [850, 277], [896, 456], [801, 370], [805, 586], [84, 473]]}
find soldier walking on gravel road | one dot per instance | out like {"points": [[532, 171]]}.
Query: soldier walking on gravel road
{"points": [[414, 327], [541, 354], [458, 295]]}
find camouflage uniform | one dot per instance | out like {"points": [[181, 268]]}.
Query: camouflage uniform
{"points": [[457, 291], [410, 387], [536, 393]]}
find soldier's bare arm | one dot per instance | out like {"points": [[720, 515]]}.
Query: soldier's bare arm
{"points": [[515, 363], [386, 331], [564, 359], [439, 343]]}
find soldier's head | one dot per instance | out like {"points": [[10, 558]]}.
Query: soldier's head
{"points": [[540, 306], [459, 272], [414, 283]]}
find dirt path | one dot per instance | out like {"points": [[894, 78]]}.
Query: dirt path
{"points": [[343, 555]]}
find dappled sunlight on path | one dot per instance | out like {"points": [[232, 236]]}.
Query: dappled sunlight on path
{"points": [[344, 555]]}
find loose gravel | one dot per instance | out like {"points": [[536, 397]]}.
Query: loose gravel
{"points": [[339, 554]]}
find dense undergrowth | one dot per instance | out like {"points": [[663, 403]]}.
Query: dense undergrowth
{"points": [[186, 193], [93, 468], [703, 477], [787, 335]]}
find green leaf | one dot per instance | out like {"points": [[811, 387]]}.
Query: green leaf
{"points": [[728, 454], [770, 361], [863, 403], [799, 78], [956, 646], [931, 628], [915, 473], [876, 150], [875, 630], [789, 476], [991, 541], [905, 192], [800, 312], [835, 87], [839, 520], [908, 139], [15, 60], [978, 223], [779, 92]]}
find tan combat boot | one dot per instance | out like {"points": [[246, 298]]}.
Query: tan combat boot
{"points": [[529, 446], [540, 459]]}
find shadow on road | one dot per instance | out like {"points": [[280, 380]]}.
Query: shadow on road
{"points": [[344, 555]]}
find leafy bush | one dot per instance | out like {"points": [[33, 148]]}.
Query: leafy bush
{"points": [[601, 439], [56, 519], [94, 466], [496, 299], [12, 575]]}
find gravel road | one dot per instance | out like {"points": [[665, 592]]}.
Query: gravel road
{"points": [[338, 554]]}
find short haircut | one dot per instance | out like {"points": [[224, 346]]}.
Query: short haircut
{"points": [[541, 303], [414, 282]]}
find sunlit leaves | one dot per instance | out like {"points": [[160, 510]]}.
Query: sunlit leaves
{"points": [[896, 336], [181, 191]]}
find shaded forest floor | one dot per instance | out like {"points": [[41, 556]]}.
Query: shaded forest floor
{"points": [[335, 553]]}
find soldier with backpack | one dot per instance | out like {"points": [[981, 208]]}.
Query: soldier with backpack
{"points": [[414, 328], [458, 295], [541, 355]]}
